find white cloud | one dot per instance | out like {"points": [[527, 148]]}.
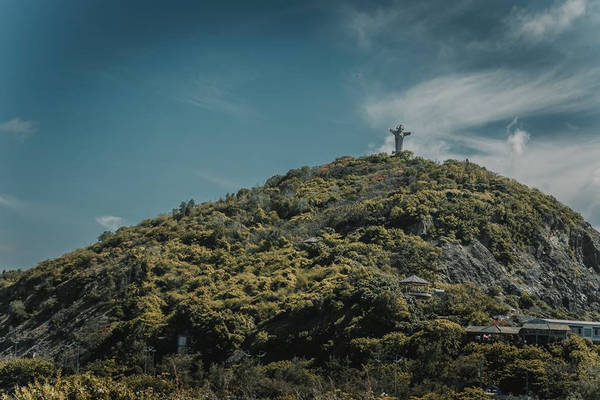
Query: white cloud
{"points": [[110, 222], [518, 140], [549, 23], [596, 177], [18, 127], [377, 27], [10, 202], [448, 104]]}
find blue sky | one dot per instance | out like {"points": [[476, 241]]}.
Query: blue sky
{"points": [[112, 111]]}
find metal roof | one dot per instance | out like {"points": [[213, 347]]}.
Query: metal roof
{"points": [[415, 280], [508, 330], [546, 326], [565, 321]]}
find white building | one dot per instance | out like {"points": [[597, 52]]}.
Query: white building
{"points": [[587, 329]]}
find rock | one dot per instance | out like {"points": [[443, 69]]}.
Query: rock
{"points": [[422, 227], [562, 268]]}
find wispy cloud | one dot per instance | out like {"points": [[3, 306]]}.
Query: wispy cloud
{"points": [[382, 25], [211, 92], [10, 202], [517, 137], [19, 128], [449, 104], [214, 96], [366, 26], [547, 24], [110, 222], [446, 30], [217, 180]]}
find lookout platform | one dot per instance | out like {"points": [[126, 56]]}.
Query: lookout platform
{"points": [[416, 286]]}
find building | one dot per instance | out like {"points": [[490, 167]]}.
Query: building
{"points": [[586, 329], [494, 333], [536, 331], [416, 286], [542, 332]]}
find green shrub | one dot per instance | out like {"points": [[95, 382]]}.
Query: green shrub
{"points": [[22, 371]]}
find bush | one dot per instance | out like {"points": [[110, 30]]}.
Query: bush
{"points": [[22, 371], [17, 311], [526, 301]]}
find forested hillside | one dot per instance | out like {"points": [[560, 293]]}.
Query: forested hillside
{"points": [[291, 290]]}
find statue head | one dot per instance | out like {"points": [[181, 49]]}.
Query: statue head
{"points": [[399, 129]]}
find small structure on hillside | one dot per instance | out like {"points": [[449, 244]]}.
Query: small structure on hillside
{"points": [[540, 332], [399, 134], [416, 286], [587, 329], [493, 333], [537, 331]]}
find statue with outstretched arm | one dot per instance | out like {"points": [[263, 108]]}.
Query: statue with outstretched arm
{"points": [[399, 134]]}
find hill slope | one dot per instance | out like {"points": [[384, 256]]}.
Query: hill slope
{"points": [[309, 263]]}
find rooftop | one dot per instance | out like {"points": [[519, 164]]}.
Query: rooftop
{"points": [[415, 280], [546, 326], [507, 330], [565, 321]]}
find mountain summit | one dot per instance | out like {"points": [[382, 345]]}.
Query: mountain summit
{"points": [[309, 263]]}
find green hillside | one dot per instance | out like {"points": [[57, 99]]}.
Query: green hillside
{"points": [[291, 290]]}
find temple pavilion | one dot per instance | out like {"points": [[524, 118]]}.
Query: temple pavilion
{"points": [[416, 286]]}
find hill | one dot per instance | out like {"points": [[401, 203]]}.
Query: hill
{"points": [[307, 267]]}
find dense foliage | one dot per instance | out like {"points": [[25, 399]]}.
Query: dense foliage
{"points": [[434, 363], [292, 289]]}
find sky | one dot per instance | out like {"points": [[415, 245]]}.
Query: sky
{"points": [[112, 112]]}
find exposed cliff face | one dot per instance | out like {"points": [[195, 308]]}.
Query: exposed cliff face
{"points": [[311, 259], [561, 268]]}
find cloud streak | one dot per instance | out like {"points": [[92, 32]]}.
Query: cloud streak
{"points": [[217, 180], [548, 23], [20, 128], [451, 103], [10, 202], [367, 26], [110, 222], [517, 137]]}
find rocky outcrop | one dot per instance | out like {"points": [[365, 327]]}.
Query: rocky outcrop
{"points": [[586, 243], [562, 268]]}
